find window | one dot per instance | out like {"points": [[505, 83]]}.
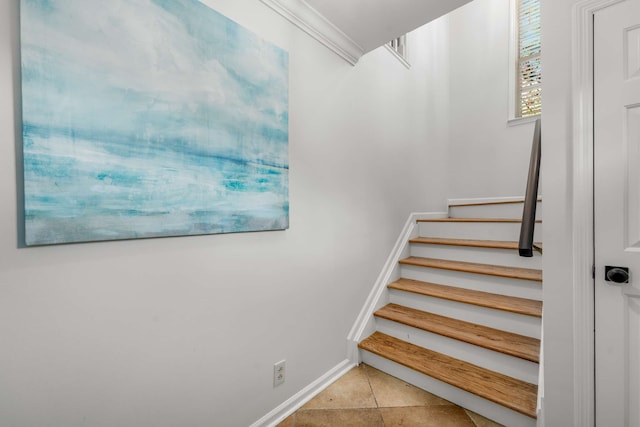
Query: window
{"points": [[527, 82], [398, 47]]}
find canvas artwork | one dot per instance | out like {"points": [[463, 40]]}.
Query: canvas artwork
{"points": [[148, 118]]}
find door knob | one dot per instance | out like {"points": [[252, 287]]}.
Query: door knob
{"points": [[616, 274]]}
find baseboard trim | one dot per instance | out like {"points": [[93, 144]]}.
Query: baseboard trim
{"points": [[365, 316], [287, 408], [309, 20]]}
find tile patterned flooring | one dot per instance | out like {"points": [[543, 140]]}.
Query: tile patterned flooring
{"points": [[367, 397]]}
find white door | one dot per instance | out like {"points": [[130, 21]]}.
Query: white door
{"points": [[617, 212]]}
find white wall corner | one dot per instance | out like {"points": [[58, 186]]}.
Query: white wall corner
{"points": [[296, 401], [317, 26]]}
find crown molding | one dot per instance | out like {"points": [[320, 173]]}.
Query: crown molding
{"points": [[309, 20]]}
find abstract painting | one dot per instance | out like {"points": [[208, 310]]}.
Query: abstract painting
{"points": [[149, 118]]}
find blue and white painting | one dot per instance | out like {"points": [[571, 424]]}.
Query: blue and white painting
{"points": [[148, 118]]}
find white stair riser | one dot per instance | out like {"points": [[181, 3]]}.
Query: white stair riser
{"points": [[508, 365], [507, 210], [460, 397], [480, 282], [498, 319], [507, 257], [476, 230]]}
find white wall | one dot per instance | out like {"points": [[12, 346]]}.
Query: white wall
{"points": [[487, 158], [557, 170], [184, 331]]}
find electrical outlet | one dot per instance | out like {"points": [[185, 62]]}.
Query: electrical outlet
{"points": [[279, 370]]}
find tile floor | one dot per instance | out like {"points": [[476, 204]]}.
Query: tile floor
{"points": [[367, 397]]}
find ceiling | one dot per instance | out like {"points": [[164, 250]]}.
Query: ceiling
{"points": [[372, 23]]}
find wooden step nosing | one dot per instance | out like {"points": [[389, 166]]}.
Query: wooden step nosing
{"points": [[520, 273], [471, 243], [428, 326], [450, 373], [476, 220], [480, 298]]}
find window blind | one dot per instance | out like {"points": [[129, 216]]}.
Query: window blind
{"points": [[529, 67]]}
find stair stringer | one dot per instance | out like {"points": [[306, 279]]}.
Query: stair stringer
{"points": [[540, 403], [379, 295]]}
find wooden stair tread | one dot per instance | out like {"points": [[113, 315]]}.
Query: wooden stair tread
{"points": [[490, 244], [509, 392], [498, 220], [520, 346], [483, 299], [472, 267], [500, 202]]}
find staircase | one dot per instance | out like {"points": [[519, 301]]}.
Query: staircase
{"points": [[461, 313]]}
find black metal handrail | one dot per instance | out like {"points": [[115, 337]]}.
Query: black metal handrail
{"points": [[526, 245]]}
